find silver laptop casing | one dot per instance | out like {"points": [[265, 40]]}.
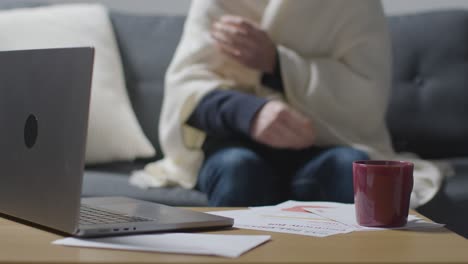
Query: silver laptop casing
{"points": [[44, 108]]}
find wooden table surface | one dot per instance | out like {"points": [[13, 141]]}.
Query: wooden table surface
{"points": [[25, 244]]}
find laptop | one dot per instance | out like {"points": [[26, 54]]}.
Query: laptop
{"points": [[44, 108]]}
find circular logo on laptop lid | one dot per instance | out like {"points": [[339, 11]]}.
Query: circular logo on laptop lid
{"points": [[30, 131]]}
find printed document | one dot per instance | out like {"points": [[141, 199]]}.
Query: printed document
{"points": [[319, 219], [301, 223]]}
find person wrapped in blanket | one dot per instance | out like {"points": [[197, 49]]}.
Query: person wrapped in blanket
{"points": [[267, 101]]}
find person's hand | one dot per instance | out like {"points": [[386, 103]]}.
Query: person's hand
{"points": [[245, 42], [278, 125]]}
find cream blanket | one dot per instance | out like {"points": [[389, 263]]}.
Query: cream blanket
{"points": [[336, 68]]}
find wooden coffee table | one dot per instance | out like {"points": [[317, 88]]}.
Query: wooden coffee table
{"points": [[24, 244]]}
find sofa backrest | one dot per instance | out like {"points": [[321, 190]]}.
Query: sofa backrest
{"points": [[428, 110], [429, 102], [147, 44]]}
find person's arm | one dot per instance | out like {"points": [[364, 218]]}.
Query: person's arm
{"points": [[229, 113], [276, 124], [226, 113], [195, 70]]}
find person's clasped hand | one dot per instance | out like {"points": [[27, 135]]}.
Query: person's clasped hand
{"points": [[279, 125], [245, 42]]}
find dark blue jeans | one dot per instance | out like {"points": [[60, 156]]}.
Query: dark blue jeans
{"points": [[239, 174]]}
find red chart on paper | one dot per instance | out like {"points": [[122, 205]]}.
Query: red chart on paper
{"points": [[300, 208]]}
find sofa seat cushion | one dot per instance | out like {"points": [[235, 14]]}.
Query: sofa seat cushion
{"points": [[450, 206], [456, 187], [100, 183]]}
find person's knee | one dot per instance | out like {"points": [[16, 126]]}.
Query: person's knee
{"points": [[328, 176], [241, 165], [242, 178], [339, 182], [339, 164], [343, 157]]}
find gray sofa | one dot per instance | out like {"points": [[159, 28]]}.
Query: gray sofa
{"points": [[427, 113]]}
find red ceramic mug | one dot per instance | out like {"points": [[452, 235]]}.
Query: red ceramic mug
{"points": [[382, 191]]}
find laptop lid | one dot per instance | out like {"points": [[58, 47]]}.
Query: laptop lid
{"points": [[44, 107]]}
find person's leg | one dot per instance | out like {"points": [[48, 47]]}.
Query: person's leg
{"points": [[327, 175], [238, 176]]}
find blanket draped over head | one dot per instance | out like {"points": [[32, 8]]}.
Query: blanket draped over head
{"points": [[336, 67]]}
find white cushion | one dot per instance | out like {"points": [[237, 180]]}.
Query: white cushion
{"points": [[114, 132]]}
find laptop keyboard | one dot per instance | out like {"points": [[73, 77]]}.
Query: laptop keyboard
{"points": [[91, 215]]}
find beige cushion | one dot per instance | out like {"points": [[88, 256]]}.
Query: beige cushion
{"points": [[114, 132]]}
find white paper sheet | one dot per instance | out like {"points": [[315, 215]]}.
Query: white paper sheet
{"points": [[275, 220], [231, 246]]}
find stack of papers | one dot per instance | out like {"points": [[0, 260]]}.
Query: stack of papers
{"points": [[319, 219]]}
